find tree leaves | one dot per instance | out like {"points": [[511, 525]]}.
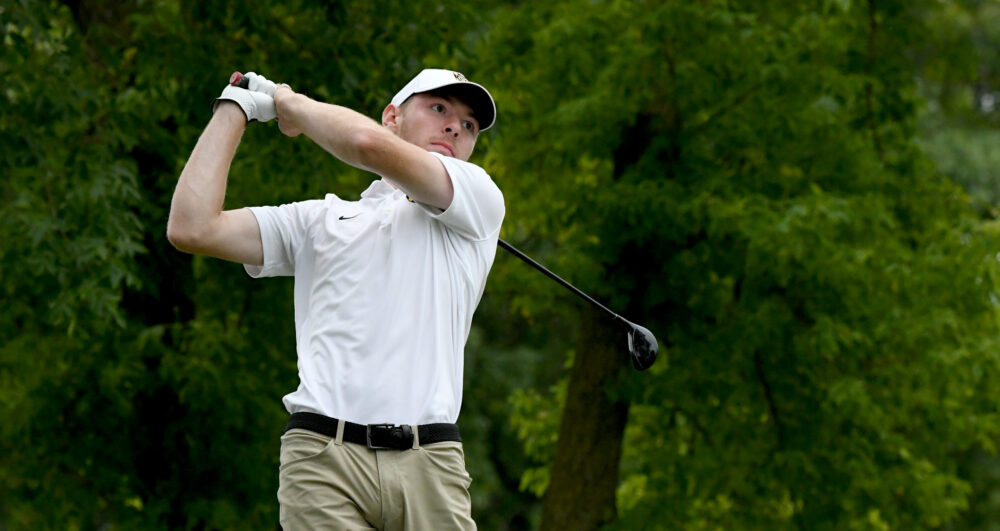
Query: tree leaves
{"points": [[742, 181], [758, 200]]}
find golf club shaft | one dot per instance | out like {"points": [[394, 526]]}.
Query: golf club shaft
{"points": [[510, 248]]}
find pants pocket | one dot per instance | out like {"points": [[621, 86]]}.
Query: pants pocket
{"points": [[301, 445], [449, 459]]}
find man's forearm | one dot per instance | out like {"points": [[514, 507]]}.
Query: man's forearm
{"points": [[201, 189], [364, 143], [341, 131]]}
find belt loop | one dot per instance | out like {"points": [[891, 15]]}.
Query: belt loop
{"points": [[340, 433], [416, 437]]}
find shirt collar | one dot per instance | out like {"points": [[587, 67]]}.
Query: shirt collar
{"points": [[378, 189]]}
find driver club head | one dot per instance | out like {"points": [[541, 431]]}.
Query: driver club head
{"points": [[642, 346]]}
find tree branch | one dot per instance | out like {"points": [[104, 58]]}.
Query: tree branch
{"points": [[758, 363]]}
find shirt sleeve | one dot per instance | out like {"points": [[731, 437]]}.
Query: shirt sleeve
{"points": [[477, 208], [283, 229]]}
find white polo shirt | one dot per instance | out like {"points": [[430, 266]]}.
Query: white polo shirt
{"points": [[385, 289]]}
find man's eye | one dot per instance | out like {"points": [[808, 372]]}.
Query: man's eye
{"points": [[437, 107], [471, 127]]}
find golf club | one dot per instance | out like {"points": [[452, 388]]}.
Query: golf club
{"points": [[642, 346]]}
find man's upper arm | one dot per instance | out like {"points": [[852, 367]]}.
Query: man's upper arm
{"points": [[361, 142], [235, 236], [410, 167], [477, 207]]}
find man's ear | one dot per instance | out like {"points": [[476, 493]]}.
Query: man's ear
{"points": [[390, 117]]}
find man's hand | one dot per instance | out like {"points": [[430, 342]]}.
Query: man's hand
{"points": [[282, 95], [256, 100], [260, 84]]}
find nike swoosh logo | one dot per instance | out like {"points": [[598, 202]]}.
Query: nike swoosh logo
{"points": [[342, 218]]}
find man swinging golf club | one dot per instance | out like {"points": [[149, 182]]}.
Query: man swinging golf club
{"points": [[385, 289]]}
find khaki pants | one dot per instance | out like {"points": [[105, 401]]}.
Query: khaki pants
{"points": [[327, 484]]}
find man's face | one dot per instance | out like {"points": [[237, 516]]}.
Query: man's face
{"points": [[442, 124]]}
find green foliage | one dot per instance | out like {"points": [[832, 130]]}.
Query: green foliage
{"points": [[141, 387], [536, 418], [967, 156], [743, 181], [958, 75]]}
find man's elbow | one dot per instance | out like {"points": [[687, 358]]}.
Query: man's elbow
{"points": [[183, 238], [369, 146]]}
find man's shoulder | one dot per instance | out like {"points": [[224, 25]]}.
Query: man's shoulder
{"points": [[459, 163], [471, 175]]}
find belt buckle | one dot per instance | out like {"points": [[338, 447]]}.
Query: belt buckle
{"points": [[387, 434]]}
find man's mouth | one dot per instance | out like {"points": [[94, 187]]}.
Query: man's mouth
{"points": [[446, 147]]}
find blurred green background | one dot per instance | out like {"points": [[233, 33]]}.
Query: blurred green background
{"points": [[799, 198]]}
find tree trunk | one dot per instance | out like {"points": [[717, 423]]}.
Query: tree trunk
{"points": [[584, 472]]}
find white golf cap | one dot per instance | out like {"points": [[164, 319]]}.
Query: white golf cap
{"points": [[472, 94]]}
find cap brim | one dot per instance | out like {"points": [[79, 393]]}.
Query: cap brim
{"points": [[477, 98]]}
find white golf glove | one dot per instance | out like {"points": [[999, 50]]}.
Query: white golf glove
{"points": [[256, 101], [259, 83]]}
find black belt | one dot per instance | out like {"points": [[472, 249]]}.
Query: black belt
{"points": [[375, 435]]}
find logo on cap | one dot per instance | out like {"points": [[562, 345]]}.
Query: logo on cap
{"points": [[460, 77]]}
